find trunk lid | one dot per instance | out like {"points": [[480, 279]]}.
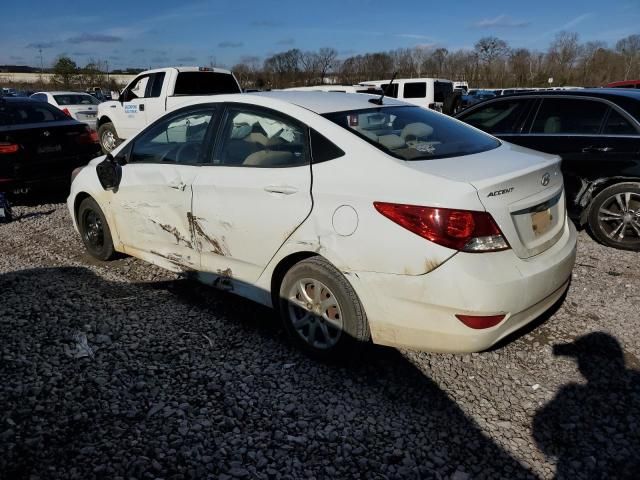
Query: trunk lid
{"points": [[522, 190], [83, 113]]}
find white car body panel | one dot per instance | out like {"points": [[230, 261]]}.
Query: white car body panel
{"points": [[232, 229]]}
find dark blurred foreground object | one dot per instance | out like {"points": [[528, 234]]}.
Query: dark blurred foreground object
{"points": [[5, 209]]}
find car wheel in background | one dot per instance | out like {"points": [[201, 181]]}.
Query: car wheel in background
{"points": [[614, 216], [95, 230], [321, 312], [108, 137]]}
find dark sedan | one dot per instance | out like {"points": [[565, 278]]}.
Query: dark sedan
{"points": [[597, 134], [39, 145]]}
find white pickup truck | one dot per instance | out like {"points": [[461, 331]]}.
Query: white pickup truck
{"points": [[154, 92]]}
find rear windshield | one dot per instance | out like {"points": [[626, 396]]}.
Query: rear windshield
{"points": [[205, 83], [36, 112], [77, 99], [414, 133]]}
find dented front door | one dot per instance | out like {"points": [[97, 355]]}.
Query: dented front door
{"points": [[152, 204], [151, 209]]}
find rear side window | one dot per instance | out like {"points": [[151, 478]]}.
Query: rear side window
{"points": [[498, 117], [415, 90], [323, 149], [618, 125], [570, 116], [18, 114], [205, 83], [441, 90], [390, 90], [413, 133]]}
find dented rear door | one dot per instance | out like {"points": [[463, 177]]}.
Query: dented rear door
{"points": [[254, 193]]}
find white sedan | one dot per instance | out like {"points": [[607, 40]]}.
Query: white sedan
{"points": [[357, 221], [80, 106]]}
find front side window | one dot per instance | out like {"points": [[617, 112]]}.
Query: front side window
{"points": [[569, 116], [415, 90], [260, 139], [138, 89], [157, 79], [179, 139], [413, 133], [498, 117]]}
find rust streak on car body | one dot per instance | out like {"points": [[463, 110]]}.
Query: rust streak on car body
{"points": [[196, 230], [174, 231]]}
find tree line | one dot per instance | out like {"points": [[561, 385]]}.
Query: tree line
{"points": [[491, 63]]}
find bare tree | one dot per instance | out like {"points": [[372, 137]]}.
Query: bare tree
{"points": [[326, 59], [629, 48], [563, 54]]}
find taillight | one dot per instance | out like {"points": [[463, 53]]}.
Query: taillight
{"points": [[66, 112], [87, 137], [478, 322], [464, 230], [6, 148]]}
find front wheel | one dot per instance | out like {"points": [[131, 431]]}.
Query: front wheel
{"points": [[321, 312], [614, 216], [108, 137], [94, 230]]}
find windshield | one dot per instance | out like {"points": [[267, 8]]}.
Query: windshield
{"points": [[76, 99], [414, 133]]}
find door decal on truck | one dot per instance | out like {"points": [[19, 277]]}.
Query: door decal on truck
{"points": [[130, 108]]}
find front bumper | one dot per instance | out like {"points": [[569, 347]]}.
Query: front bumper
{"points": [[418, 312]]}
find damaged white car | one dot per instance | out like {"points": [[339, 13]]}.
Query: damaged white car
{"points": [[358, 219]]}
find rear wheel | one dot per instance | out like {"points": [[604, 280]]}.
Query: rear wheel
{"points": [[108, 137], [95, 230], [614, 216], [321, 312]]}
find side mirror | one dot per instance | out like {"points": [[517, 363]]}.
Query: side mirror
{"points": [[109, 173]]}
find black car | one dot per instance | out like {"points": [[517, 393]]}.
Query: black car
{"points": [[597, 134], [39, 145]]}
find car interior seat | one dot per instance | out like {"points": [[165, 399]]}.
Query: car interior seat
{"points": [[552, 125]]}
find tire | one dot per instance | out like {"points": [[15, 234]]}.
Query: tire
{"points": [[108, 137], [615, 211], [337, 333], [94, 230]]}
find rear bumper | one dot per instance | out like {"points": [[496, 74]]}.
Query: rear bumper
{"points": [[418, 312]]}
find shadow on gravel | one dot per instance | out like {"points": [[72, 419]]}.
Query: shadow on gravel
{"points": [[593, 429], [176, 380]]}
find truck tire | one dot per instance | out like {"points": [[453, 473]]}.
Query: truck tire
{"points": [[108, 137]]}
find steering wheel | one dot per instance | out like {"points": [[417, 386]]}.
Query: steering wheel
{"points": [[185, 153]]}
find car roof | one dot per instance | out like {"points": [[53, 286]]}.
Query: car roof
{"points": [[65, 93], [19, 100], [583, 92], [326, 102]]}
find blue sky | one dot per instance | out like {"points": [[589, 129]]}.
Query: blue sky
{"points": [[193, 32]]}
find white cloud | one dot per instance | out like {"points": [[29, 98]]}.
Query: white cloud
{"points": [[501, 21]]}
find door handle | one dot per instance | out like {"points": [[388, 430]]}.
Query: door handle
{"points": [[281, 189], [141, 107], [592, 149], [112, 106]]}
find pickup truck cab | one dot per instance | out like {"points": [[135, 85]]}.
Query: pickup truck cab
{"points": [[153, 93]]}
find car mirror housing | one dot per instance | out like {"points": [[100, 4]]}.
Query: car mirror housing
{"points": [[109, 173]]}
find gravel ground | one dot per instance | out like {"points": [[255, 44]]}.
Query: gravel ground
{"points": [[121, 370]]}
